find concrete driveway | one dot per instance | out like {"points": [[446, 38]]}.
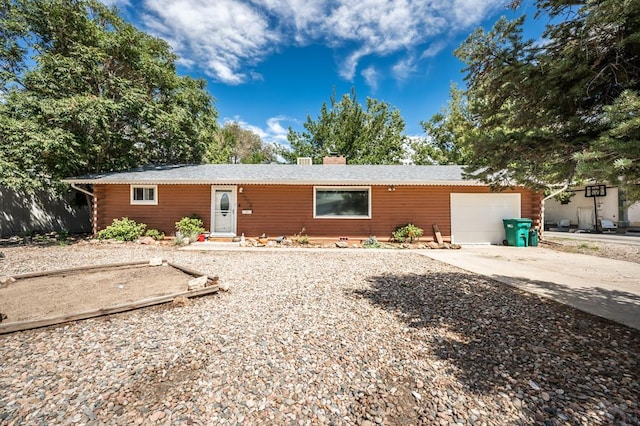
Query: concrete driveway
{"points": [[603, 287]]}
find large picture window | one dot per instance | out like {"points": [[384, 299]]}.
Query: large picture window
{"points": [[342, 202], [144, 194]]}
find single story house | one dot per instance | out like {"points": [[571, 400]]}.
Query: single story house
{"points": [[328, 201]]}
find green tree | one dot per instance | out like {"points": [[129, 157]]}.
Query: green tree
{"points": [[83, 91], [238, 145], [446, 133], [561, 110], [374, 135]]}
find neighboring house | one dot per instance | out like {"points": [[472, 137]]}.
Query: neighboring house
{"points": [[330, 200], [23, 213], [582, 211]]}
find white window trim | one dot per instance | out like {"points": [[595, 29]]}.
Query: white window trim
{"points": [[153, 202], [341, 188]]}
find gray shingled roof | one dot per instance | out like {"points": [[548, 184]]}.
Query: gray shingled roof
{"points": [[273, 174]]}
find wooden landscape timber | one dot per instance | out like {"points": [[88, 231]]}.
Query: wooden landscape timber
{"points": [[212, 287], [436, 231]]}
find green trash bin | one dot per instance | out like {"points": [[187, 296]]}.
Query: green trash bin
{"points": [[517, 232], [533, 237]]}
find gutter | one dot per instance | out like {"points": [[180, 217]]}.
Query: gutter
{"points": [[84, 191]]}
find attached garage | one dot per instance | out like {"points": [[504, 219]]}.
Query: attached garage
{"points": [[477, 218]]}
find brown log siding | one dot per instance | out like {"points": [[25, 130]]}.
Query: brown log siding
{"points": [[174, 203], [286, 209]]}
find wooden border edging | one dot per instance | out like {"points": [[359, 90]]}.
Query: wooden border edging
{"points": [[80, 268], [186, 270], [27, 325]]}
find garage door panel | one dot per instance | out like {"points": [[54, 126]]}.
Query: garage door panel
{"points": [[477, 218]]}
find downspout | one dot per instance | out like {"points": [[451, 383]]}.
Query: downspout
{"points": [[553, 194], [94, 208], [84, 191]]}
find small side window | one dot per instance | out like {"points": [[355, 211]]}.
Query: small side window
{"points": [[144, 194]]}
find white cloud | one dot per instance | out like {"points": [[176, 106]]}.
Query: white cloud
{"points": [[220, 36], [404, 68], [370, 75], [118, 3], [466, 13], [434, 49], [274, 132], [227, 38]]}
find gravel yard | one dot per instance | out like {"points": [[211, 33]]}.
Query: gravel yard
{"points": [[625, 252], [333, 337]]}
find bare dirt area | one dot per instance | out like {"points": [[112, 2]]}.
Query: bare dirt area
{"points": [[629, 253], [59, 294]]}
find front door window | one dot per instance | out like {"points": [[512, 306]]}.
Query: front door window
{"points": [[223, 211]]}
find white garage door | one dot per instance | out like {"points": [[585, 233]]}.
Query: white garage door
{"points": [[477, 218]]}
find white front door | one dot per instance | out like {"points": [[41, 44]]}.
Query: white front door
{"points": [[223, 210]]}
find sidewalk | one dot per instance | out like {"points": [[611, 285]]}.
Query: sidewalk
{"points": [[602, 287]]}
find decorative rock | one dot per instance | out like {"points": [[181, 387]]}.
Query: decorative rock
{"points": [[316, 339], [158, 415], [147, 241], [433, 245], [5, 280], [197, 283], [534, 385], [186, 241], [155, 261], [180, 301], [342, 244]]}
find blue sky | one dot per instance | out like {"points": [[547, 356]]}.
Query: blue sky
{"points": [[271, 63]]}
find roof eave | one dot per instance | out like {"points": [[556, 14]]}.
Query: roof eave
{"points": [[274, 182]]}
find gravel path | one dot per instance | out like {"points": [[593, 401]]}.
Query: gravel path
{"points": [[339, 337]]}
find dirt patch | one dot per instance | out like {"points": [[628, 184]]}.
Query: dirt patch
{"points": [[79, 291], [626, 252]]}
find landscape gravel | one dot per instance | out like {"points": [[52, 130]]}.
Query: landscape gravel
{"points": [[319, 337], [629, 253]]}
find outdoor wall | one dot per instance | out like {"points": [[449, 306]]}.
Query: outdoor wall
{"points": [[634, 214], [285, 210], [174, 203], [607, 207], [41, 212]]}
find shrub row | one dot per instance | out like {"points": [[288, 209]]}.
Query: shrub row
{"points": [[125, 229]]}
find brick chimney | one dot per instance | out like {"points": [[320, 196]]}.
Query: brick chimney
{"points": [[334, 158]]}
